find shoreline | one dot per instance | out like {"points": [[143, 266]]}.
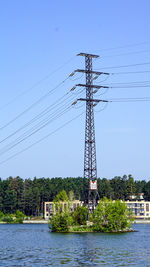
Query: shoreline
{"points": [[35, 222], [139, 221]]}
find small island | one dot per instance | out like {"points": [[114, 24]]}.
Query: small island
{"points": [[108, 217]]}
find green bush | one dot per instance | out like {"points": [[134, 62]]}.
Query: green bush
{"points": [[82, 228], [110, 216], [1, 216], [62, 196], [19, 216], [8, 218], [60, 222], [80, 215], [12, 218]]}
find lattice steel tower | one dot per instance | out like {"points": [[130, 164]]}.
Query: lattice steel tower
{"points": [[90, 165]]}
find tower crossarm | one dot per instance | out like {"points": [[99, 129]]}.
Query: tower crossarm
{"points": [[92, 72], [87, 55], [92, 100], [92, 86]]}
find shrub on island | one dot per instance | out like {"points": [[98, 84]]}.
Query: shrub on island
{"points": [[109, 216]]}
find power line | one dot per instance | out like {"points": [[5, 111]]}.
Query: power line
{"points": [[61, 111], [37, 83], [44, 112], [140, 84], [130, 72], [128, 53], [41, 114], [134, 82], [34, 131], [125, 66], [134, 99], [125, 86], [104, 79], [34, 104], [40, 140], [105, 106], [124, 46]]}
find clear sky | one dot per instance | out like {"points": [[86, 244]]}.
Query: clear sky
{"points": [[38, 47]]}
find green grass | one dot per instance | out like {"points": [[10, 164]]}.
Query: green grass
{"points": [[82, 228]]}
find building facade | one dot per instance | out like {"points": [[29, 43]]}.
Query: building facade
{"points": [[140, 209], [51, 208]]}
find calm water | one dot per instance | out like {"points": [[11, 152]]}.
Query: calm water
{"points": [[33, 245]]}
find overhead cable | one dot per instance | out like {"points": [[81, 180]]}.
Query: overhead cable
{"points": [[33, 105], [21, 138], [133, 99], [37, 83], [128, 53], [40, 140], [125, 66], [130, 72], [36, 128], [124, 46]]}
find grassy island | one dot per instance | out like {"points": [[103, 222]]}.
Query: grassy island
{"points": [[109, 216]]}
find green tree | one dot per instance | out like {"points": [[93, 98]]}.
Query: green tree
{"points": [[110, 216], [28, 197], [71, 195], [62, 196], [9, 204], [60, 222], [19, 216], [130, 186], [16, 185], [8, 218], [80, 215], [104, 188], [1, 216]]}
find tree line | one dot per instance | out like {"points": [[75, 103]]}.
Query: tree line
{"points": [[29, 195]]}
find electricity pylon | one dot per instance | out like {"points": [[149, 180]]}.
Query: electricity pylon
{"points": [[90, 164]]}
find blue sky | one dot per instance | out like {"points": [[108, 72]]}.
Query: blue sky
{"points": [[39, 37]]}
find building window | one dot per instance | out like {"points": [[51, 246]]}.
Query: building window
{"points": [[147, 207], [141, 210], [51, 206], [47, 208]]}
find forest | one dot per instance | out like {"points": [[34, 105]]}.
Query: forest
{"points": [[28, 195]]}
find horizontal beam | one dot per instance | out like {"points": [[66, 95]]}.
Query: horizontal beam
{"points": [[87, 55], [92, 72], [92, 86], [92, 100]]}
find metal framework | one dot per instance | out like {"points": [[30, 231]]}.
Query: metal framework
{"points": [[90, 164]]}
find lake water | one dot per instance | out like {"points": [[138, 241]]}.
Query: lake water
{"points": [[34, 245]]}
